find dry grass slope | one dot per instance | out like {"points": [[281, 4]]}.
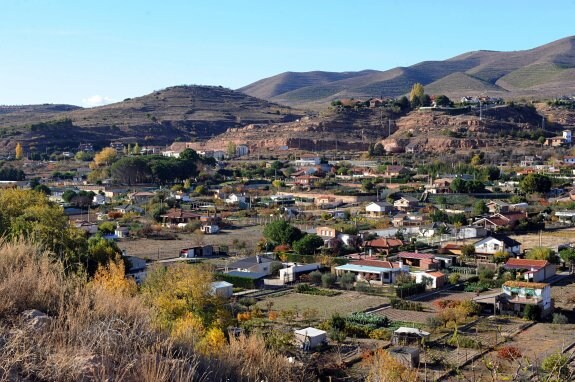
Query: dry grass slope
{"points": [[90, 334]]}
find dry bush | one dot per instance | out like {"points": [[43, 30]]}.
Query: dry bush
{"points": [[93, 334]]}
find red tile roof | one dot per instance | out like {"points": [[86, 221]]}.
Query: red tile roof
{"points": [[435, 274], [526, 263], [415, 255], [383, 243]]}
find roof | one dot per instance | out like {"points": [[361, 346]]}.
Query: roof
{"points": [[250, 261], [364, 268], [374, 263], [175, 213], [248, 275], [409, 198], [524, 284], [509, 242], [416, 255], [383, 243], [380, 204], [435, 274], [310, 332], [514, 263], [406, 330], [221, 284]]}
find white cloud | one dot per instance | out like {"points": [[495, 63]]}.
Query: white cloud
{"points": [[96, 100]]}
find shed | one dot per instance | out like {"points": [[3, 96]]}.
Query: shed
{"points": [[405, 335], [310, 338], [407, 356], [222, 289]]}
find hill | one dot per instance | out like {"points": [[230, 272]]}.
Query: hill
{"points": [[544, 71], [180, 112]]}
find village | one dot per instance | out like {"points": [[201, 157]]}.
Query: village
{"points": [[444, 266]]}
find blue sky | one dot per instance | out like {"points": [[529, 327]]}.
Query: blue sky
{"points": [[92, 52]]}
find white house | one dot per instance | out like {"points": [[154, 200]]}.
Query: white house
{"points": [[210, 229], [242, 150], [377, 271], [99, 199], [222, 289], [255, 264], [293, 270], [310, 338], [433, 280], [406, 203], [378, 208], [306, 161], [535, 270], [235, 199], [122, 232], [494, 243]]}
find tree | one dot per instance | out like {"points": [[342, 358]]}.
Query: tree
{"points": [[105, 157], [568, 256], [442, 100], [281, 232], [112, 278], [556, 366], [19, 152], [458, 185], [328, 280], [384, 368], [500, 256], [136, 150], [347, 280], [542, 253], [480, 208], [231, 149], [416, 92], [43, 189], [308, 244], [367, 185], [533, 183], [468, 250], [378, 149]]}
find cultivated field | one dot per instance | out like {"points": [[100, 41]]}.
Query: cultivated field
{"points": [[344, 303], [546, 239]]}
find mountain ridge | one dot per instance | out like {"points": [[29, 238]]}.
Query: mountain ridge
{"points": [[545, 64]]}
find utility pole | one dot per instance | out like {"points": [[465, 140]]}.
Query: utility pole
{"points": [[480, 111]]}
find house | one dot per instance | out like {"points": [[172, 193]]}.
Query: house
{"points": [[141, 197], [501, 220], [409, 220], [535, 270], [177, 217], [440, 186], [222, 289], [406, 336], [307, 160], [242, 150], [293, 271], [497, 243], [569, 160], [122, 232], [235, 199], [310, 338], [432, 279], [394, 171], [210, 229], [99, 199], [407, 356], [136, 268], [423, 261], [86, 147], [129, 208], [326, 232], [375, 209], [118, 146], [566, 216], [89, 227], [254, 264], [406, 203], [305, 180], [496, 206], [515, 296], [326, 202], [381, 245], [197, 251], [376, 271]]}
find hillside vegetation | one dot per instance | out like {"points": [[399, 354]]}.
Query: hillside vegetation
{"points": [[528, 73]]}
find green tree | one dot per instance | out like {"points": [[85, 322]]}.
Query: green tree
{"points": [[458, 185], [568, 256], [328, 280], [367, 185], [308, 244], [480, 208], [535, 183], [281, 232], [556, 366], [231, 149], [68, 195], [468, 250], [378, 149], [442, 100], [43, 188]]}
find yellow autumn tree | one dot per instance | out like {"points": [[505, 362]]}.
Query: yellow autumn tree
{"points": [[213, 342], [384, 368], [188, 328], [112, 278], [416, 92], [182, 289], [104, 158], [19, 151]]}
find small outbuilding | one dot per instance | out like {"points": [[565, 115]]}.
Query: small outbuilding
{"points": [[222, 289], [310, 338]]}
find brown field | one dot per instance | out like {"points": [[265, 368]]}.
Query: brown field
{"points": [[548, 239], [164, 249], [345, 303]]}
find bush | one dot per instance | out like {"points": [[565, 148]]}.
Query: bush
{"points": [[347, 280], [454, 278], [433, 322], [509, 353], [559, 318], [464, 342], [409, 289], [380, 334], [374, 320], [398, 303], [328, 280], [307, 289], [315, 277], [532, 312]]}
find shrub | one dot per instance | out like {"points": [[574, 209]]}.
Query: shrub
{"points": [[380, 334], [464, 342], [433, 322], [347, 280], [509, 353], [454, 278], [307, 289], [559, 318], [409, 289], [328, 280], [398, 303], [315, 277], [531, 312], [374, 320]]}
